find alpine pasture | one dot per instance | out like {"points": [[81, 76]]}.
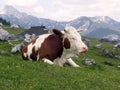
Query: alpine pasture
{"points": [[17, 74]]}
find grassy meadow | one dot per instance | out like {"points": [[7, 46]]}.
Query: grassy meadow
{"points": [[17, 74], [13, 30]]}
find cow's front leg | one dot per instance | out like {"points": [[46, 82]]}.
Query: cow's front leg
{"points": [[47, 61], [59, 61], [72, 63]]}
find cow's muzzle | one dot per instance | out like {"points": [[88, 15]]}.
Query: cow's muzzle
{"points": [[84, 50]]}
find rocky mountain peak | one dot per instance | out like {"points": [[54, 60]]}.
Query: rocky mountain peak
{"points": [[10, 10]]}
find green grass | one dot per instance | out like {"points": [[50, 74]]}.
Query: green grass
{"points": [[17, 74], [13, 30]]}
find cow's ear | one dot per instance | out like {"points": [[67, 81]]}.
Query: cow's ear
{"points": [[80, 30], [66, 43], [57, 32]]}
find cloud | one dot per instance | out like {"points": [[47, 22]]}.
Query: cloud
{"points": [[27, 3], [31, 7], [76, 8], [67, 9]]}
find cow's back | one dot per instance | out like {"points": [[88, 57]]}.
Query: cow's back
{"points": [[51, 48], [44, 46]]}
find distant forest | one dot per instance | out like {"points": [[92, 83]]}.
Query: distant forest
{"points": [[4, 22]]}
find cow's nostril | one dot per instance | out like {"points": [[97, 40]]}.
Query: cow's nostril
{"points": [[85, 49]]}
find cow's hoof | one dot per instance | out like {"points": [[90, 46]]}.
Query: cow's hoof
{"points": [[76, 66]]}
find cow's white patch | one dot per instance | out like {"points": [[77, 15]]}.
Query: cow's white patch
{"points": [[64, 59], [37, 45], [47, 61], [75, 40], [37, 57], [40, 40], [25, 55], [29, 51], [72, 63], [60, 61]]}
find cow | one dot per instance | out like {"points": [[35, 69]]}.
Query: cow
{"points": [[56, 48]]}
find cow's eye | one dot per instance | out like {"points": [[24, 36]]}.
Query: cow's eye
{"points": [[73, 39]]}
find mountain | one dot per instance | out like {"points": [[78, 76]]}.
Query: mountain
{"points": [[24, 20], [98, 26]]}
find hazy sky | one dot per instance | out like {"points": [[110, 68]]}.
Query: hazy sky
{"points": [[65, 10]]}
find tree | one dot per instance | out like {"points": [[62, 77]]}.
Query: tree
{"points": [[4, 22]]}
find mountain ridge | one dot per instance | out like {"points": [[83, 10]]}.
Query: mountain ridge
{"points": [[89, 24]]}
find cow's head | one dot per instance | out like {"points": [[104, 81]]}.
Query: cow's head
{"points": [[72, 40]]}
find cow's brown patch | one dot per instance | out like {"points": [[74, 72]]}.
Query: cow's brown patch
{"points": [[66, 43], [34, 54], [51, 48], [24, 50]]}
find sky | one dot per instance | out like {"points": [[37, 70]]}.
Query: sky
{"points": [[66, 10]]}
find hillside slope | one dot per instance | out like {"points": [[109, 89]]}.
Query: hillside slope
{"points": [[15, 73]]}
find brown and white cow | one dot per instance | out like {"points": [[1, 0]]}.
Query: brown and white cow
{"points": [[56, 48]]}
